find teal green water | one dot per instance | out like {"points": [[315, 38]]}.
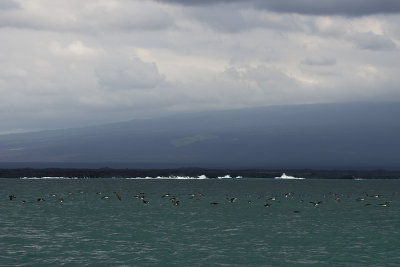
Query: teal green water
{"points": [[86, 229]]}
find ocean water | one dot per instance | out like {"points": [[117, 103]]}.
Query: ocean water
{"points": [[356, 223]]}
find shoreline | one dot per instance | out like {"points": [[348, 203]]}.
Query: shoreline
{"points": [[195, 172]]}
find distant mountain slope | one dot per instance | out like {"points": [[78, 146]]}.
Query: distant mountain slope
{"points": [[352, 135]]}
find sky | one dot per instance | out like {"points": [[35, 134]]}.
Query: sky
{"points": [[72, 63]]}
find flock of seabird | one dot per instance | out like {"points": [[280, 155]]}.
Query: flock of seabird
{"points": [[197, 196]]}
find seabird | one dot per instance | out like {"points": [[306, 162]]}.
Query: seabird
{"points": [[214, 203], [118, 196], [231, 200], [41, 199], [316, 203], [139, 197], [61, 200], [145, 201], [11, 196], [386, 204], [267, 205], [288, 194]]}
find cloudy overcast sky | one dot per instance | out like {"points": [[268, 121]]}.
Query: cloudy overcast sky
{"points": [[70, 63]]}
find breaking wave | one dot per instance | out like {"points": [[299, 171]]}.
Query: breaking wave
{"points": [[200, 177]]}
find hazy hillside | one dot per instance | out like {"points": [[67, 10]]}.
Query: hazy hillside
{"points": [[305, 136]]}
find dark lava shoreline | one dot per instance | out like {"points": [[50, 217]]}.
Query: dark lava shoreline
{"points": [[194, 172]]}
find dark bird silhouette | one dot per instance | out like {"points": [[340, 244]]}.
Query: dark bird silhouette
{"points": [[118, 196], [11, 196], [267, 205], [214, 203], [231, 200]]}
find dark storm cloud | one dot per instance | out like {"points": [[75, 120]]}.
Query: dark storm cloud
{"points": [[319, 61], [370, 41], [310, 7]]}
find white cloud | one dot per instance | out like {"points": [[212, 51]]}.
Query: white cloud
{"points": [[75, 48]]}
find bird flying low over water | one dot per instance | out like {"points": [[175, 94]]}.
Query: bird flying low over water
{"points": [[118, 196], [231, 200], [315, 203]]}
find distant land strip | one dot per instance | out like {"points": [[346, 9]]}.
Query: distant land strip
{"points": [[194, 172]]}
